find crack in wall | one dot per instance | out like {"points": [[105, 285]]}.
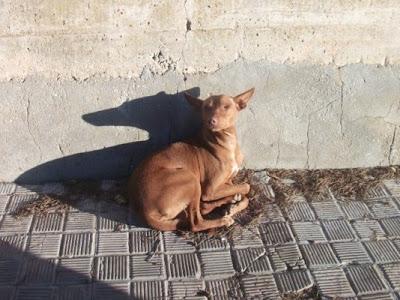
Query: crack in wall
{"points": [[391, 146], [27, 113], [278, 155], [341, 102], [308, 143]]}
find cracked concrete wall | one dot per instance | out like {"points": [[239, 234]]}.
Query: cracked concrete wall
{"points": [[80, 81]]}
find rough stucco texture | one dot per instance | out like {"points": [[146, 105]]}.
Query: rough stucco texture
{"points": [[88, 88]]}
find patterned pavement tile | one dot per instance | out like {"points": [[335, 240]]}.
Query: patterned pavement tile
{"points": [[37, 271], [308, 231], [368, 229], [392, 226], [276, 233], [393, 186], [285, 257], [34, 293], [383, 208], [7, 292], [300, 211], [3, 203], [337, 230], [259, 287], [184, 265], [112, 243], [44, 245], [146, 241], [173, 243], [392, 273], [249, 237], [47, 223], [351, 253], [77, 244], [327, 210], [72, 292], [80, 221], [74, 271], [293, 281], [252, 261], [184, 289], [205, 243], [7, 188], [224, 289], [112, 268], [18, 201], [144, 267], [355, 209], [10, 224], [114, 291], [12, 245], [216, 264], [382, 251], [148, 290], [333, 283], [9, 267], [319, 255], [365, 279]]}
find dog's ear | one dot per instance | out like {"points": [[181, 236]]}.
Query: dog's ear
{"points": [[242, 99], [193, 101]]}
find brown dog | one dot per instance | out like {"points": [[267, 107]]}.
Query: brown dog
{"points": [[176, 187]]}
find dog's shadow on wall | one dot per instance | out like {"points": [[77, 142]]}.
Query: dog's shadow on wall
{"points": [[165, 117]]}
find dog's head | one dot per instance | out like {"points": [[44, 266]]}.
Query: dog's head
{"points": [[220, 112]]}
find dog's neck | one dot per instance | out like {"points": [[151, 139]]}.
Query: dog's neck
{"points": [[220, 141]]}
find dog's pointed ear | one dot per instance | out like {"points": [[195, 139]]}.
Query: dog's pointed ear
{"points": [[242, 99], [193, 101]]}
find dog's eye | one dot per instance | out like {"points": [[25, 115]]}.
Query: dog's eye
{"points": [[226, 106]]}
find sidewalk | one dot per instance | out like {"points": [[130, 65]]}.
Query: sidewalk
{"points": [[326, 248]]}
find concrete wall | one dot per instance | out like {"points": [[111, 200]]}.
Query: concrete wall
{"points": [[88, 88]]}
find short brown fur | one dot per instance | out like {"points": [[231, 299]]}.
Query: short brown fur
{"points": [[177, 186]]}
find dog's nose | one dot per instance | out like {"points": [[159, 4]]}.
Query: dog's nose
{"points": [[213, 121]]}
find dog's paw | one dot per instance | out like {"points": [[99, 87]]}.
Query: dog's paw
{"points": [[228, 221], [237, 198]]}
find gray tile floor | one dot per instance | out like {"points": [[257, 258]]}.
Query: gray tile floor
{"points": [[347, 249]]}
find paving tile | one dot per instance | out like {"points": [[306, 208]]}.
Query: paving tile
{"points": [[112, 268], [34, 293], [271, 213], [376, 192], [144, 267], [184, 265], [73, 292], [368, 229], [37, 271], [178, 290], [391, 226], [248, 237], [382, 251], [327, 210], [145, 241], [18, 201], [113, 220], [332, 283], [114, 291], [7, 292], [259, 286], [300, 211], [393, 186], [292, 281], [276, 233], [74, 270], [383, 208], [392, 273], [177, 244], [3, 203], [224, 289], [337, 230], [308, 231], [207, 243], [6, 188], [80, 221], [319, 255], [12, 245], [355, 209], [216, 264], [365, 279], [44, 245], [9, 267], [148, 290], [252, 261], [351, 252], [10, 224], [397, 244], [380, 296], [285, 257], [112, 243], [50, 222], [77, 244]]}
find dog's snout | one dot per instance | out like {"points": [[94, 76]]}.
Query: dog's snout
{"points": [[213, 121]]}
